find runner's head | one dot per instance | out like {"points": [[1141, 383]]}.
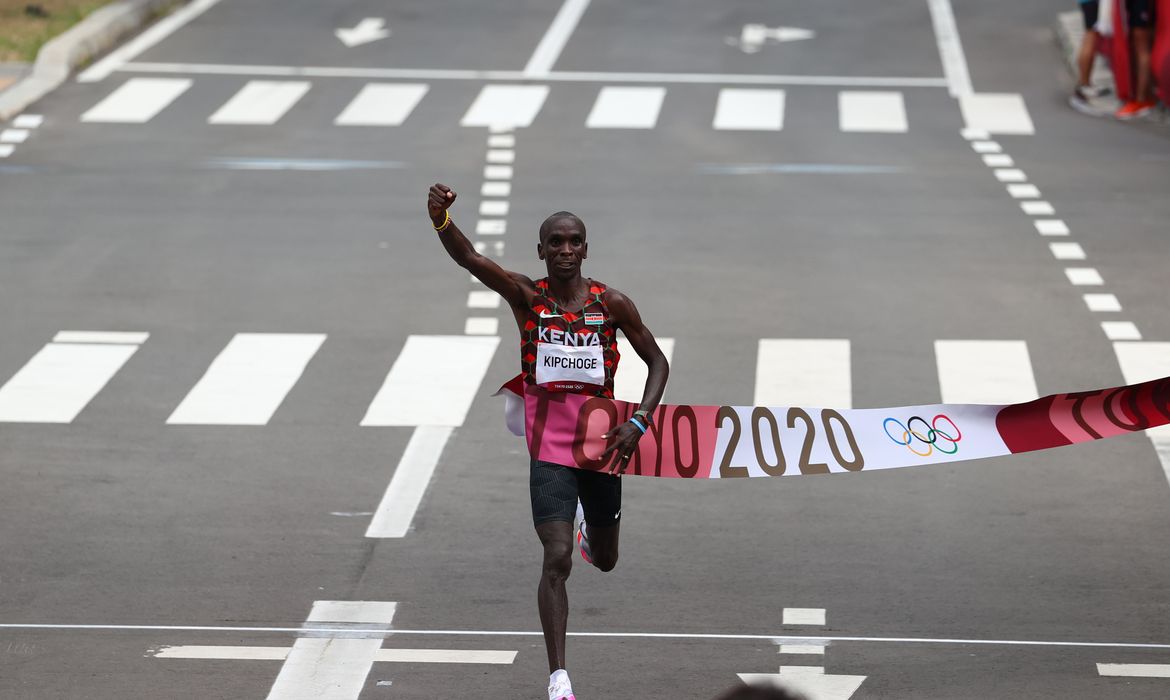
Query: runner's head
{"points": [[562, 245]]}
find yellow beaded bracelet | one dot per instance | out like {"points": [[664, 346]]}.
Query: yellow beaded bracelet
{"points": [[446, 222]]}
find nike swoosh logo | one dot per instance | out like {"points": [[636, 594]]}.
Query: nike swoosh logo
{"points": [[548, 315]]}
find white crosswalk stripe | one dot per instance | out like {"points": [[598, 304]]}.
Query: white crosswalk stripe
{"points": [[626, 108], [749, 110], [260, 102], [382, 104], [137, 101], [502, 106], [434, 379], [867, 111]]}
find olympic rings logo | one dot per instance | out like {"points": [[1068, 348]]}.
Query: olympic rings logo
{"points": [[917, 431]]}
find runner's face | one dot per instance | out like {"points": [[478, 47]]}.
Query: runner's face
{"points": [[563, 249]]}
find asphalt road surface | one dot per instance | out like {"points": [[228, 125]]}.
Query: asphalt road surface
{"points": [[194, 498]]}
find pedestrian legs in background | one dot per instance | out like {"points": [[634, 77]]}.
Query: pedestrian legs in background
{"points": [[1140, 14], [1084, 90]]}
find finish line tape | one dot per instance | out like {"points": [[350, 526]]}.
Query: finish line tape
{"points": [[720, 442]]}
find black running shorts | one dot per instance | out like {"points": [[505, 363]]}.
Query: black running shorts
{"points": [[1090, 11], [555, 490], [1140, 12]]}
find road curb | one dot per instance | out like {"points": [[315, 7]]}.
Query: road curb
{"points": [[58, 58]]}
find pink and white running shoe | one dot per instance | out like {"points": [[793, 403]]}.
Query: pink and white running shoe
{"points": [[559, 687]]}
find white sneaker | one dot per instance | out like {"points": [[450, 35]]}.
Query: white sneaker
{"points": [[559, 687]]}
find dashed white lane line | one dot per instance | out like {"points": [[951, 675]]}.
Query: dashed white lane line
{"points": [[395, 512], [1067, 251], [28, 121], [1121, 330], [6, 150], [803, 372], [997, 113], [804, 616], [626, 108], [490, 248], [382, 104], [740, 109], [260, 102], [495, 188], [62, 378], [501, 156], [630, 383], [413, 394], [112, 337], [553, 42], [491, 227], [998, 160], [802, 649], [872, 112], [807, 670], [493, 207], [984, 371], [1135, 670], [1010, 175], [506, 106], [986, 147], [1024, 191], [975, 134], [1102, 302], [248, 380], [497, 172], [482, 325], [1084, 276], [1037, 208], [478, 299], [1051, 227], [13, 135], [156, 33], [137, 101], [501, 141]]}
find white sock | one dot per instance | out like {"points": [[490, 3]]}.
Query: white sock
{"points": [[559, 680]]}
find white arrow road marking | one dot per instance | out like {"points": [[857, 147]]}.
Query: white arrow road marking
{"points": [[1142, 362], [812, 683], [754, 36], [367, 30]]}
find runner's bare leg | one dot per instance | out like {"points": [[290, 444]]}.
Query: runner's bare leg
{"points": [[552, 599]]}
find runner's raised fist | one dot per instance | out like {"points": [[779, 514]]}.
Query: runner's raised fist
{"points": [[440, 198]]}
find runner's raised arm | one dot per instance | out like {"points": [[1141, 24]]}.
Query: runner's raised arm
{"points": [[515, 288]]}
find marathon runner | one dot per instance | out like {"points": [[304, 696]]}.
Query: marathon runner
{"points": [[568, 342]]}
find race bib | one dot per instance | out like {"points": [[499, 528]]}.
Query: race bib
{"points": [[560, 365]]}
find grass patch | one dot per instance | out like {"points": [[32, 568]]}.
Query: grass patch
{"points": [[25, 25]]}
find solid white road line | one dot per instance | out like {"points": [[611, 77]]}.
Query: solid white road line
{"points": [[395, 512], [137, 100], [114, 337], [416, 656], [1023, 191], [626, 108], [950, 48], [803, 372], [549, 49], [260, 102], [491, 227], [481, 299], [28, 121], [1037, 208], [1084, 276], [482, 325], [630, 381], [556, 76], [382, 104], [1135, 670], [1121, 330], [116, 59], [506, 105], [872, 112], [1051, 227], [60, 380], [740, 109], [1067, 251], [248, 380], [773, 638], [433, 381], [804, 616], [1102, 302], [984, 371], [997, 113]]}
